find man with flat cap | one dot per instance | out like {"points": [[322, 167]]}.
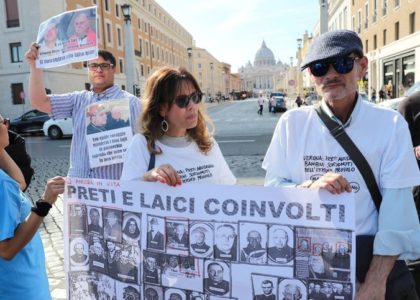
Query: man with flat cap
{"points": [[154, 236], [335, 62]]}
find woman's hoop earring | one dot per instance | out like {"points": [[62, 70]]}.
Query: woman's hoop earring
{"points": [[164, 125]]}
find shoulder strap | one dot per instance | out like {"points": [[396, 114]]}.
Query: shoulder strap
{"points": [[338, 132], [152, 158], [151, 161]]}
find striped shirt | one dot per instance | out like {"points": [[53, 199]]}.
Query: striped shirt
{"points": [[73, 105]]}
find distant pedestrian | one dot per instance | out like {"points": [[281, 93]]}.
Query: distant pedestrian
{"points": [[373, 95], [298, 101], [382, 95], [261, 104], [272, 107]]}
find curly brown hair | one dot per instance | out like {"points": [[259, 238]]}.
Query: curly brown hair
{"points": [[161, 88]]}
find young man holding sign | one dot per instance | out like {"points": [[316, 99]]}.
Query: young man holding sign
{"points": [[101, 73]]}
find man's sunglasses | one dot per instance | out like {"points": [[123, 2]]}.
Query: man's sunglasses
{"points": [[342, 65], [103, 66], [182, 101]]}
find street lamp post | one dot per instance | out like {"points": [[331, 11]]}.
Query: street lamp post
{"points": [[129, 49], [211, 76], [189, 51], [298, 73]]}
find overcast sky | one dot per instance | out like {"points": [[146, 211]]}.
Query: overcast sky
{"points": [[233, 30]]}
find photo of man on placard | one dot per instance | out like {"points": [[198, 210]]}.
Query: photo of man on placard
{"points": [[177, 235], [151, 267], [95, 220], [217, 281], [201, 237], [280, 245], [155, 238], [77, 219], [225, 247], [112, 227], [253, 239]]}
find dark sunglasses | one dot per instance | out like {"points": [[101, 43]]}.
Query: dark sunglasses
{"points": [[342, 65], [182, 101]]}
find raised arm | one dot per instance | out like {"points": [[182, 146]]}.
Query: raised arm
{"points": [[37, 94]]}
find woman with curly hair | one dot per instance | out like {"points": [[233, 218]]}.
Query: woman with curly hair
{"points": [[174, 135]]}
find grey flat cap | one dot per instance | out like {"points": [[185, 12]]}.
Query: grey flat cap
{"points": [[332, 44]]}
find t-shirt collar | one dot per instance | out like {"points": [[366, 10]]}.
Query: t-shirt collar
{"points": [[353, 115]]}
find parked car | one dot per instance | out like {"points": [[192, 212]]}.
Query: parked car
{"points": [[30, 122], [56, 129], [394, 103], [280, 104]]}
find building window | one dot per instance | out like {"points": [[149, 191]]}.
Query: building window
{"points": [[375, 11], [121, 62], [147, 49], [12, 13], [139, 23], [396, 3], [119, 37], [117, 10], [375, 42], [412, 22], [141, 47], [384, 37], [18, 96], [148, 70], [108, 33], [106, 5], [397, 30], [367, 46], [366, 15], [408, 68], [153, 51], [16, 54], [359, 21], [99, 28], [158, 53], [384, 7], [142, 70]]}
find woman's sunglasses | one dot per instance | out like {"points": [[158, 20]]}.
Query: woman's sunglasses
{"points": [[342, 65], [182, 101]]}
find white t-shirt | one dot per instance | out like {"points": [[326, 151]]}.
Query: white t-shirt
{"points": [[302, 148], [191, 164]]}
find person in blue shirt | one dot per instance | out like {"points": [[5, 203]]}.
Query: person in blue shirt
{"points": [[22, 260]]}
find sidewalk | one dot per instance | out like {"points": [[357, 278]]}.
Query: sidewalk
{"points": [[246, 168]]}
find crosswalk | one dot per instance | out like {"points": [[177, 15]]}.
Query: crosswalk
{"points": [[271, 119]]}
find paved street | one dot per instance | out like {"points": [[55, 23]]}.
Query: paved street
{"points": [[50, 158]]}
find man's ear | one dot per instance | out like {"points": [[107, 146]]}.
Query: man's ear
{"points": [[363, 62]]}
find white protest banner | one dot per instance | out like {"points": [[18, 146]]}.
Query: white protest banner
{"points": [[108, 131], [68, 37], [202, 241]]}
